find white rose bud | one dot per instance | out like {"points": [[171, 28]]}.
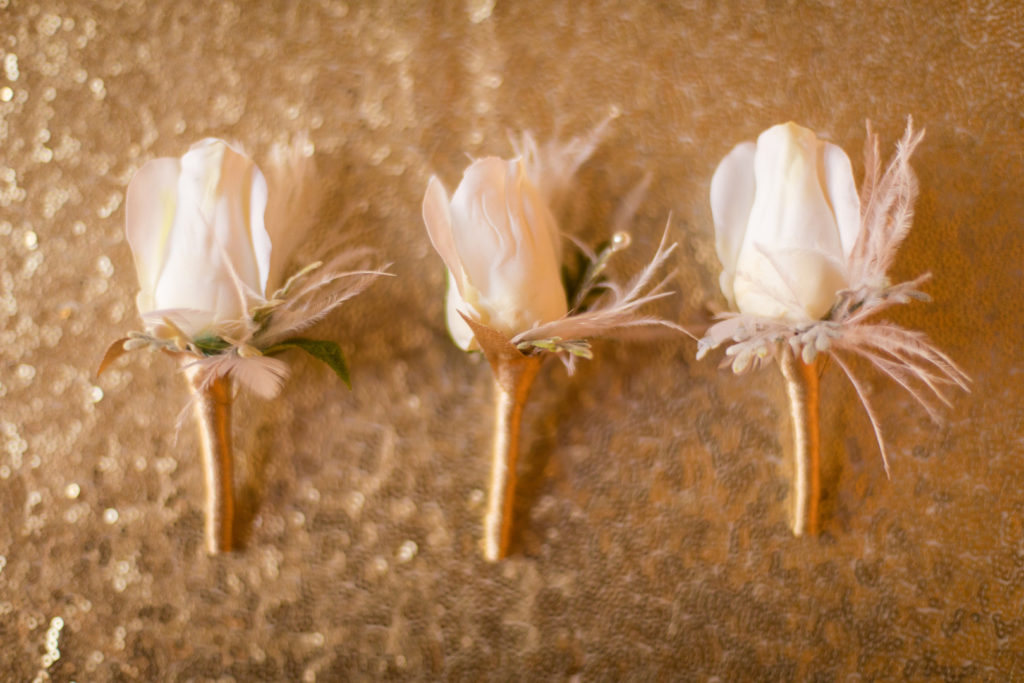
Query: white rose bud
{"points": [[501, 245], [195, 227], [787, 216]]}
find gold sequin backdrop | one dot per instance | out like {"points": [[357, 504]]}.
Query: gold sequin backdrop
{"points": [[651, 538]]}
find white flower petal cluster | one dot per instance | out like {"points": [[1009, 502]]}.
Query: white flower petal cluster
{"points": [[500, 243], [196, 231], [787, 217]]}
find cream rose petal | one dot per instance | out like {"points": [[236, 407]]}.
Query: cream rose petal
{"points": [[149, 215], [480, 227], [841, 189], [233, 200], [531, 221], [502, 232], [732, 197], [241, 206], [460, 331], [790, 209], [438, 220]]}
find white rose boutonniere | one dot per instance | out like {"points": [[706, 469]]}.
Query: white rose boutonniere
{"points": [[202, 251], [507, 296], [804, 260]]}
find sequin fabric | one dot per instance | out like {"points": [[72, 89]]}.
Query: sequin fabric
{"points": [[651, 540]]}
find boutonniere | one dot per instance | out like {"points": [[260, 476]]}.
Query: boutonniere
{"points": [[804, 259], [196, 229], [500, 240]]}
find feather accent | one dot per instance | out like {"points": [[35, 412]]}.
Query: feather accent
{"points": [[567, 337], [235, 348], [262, 375], [616, 310], [313, 293], [293, 197], [552, 165], [887, 209], [909, 358]]}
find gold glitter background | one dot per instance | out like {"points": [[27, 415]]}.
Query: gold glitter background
{"points": [[651, 536]]}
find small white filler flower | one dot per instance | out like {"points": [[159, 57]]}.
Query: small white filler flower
{"points": [[500, 240], [203, 255], [804, 260]]}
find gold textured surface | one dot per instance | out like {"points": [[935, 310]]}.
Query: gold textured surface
{"points": [[651, 531]]}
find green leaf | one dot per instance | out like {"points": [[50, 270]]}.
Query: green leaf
{"points": [[327, 351], [577, 347], [211, 346], [582, 280]]}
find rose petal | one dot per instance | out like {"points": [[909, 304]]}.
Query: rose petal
{"points": [[480, 227], [150, 207], [732, 196], [501, 253], [238, 213], [842, 193], [461, 333], [437, 218], [528, 205], [793, 283], [790, 209], [523, 286]]}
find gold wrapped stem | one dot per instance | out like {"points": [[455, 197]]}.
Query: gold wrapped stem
{"points": [[513, 378], [802, 387], [212, 406]]}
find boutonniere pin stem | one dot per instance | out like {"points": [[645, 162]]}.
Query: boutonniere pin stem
{"points": [[804, 260], [514, 374], [203, 255], [506, 296], [803, 390], [211, 403]]}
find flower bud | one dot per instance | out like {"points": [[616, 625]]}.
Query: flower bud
{"points": [[195, 227], [787, 216], [500, 243]]}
